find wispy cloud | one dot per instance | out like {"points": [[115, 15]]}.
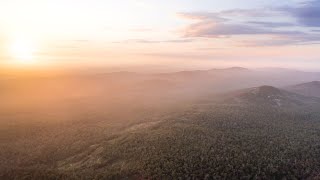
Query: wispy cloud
{"points": [[307, 13], [145, 41], [282, 40], [184, 56], [293, 26], [213, 29], [141, 29], [202, 16], [269, 24]]}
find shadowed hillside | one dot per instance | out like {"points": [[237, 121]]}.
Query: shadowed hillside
{"points": [[262, 132], [307, 89], [271, 96]]}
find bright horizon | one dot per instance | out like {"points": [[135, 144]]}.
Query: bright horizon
{"points": [[168, 34]]}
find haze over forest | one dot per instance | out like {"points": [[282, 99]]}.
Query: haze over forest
{"points": [[138, 89], [217, 123]]}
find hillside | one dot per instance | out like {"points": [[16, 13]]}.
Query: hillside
{"points": [[262, 132], [307, 89], [270, 96]]}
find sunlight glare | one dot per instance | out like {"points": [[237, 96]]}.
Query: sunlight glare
{"points": [[22, 50]]}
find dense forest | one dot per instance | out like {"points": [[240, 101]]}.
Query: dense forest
{"points": [[255, 133], [186, 125]]}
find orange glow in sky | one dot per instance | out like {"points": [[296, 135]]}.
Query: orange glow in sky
{"points": [[167, 33]]}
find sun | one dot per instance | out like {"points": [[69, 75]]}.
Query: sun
{"points": [[22, 50]]}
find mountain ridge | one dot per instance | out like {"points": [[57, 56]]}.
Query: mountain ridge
{"points": [[308, 89], [270, 96]]}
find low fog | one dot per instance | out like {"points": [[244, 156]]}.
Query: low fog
{"points": [[130, 89]]}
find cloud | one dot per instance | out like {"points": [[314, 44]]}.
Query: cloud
{"points": [[292, 24], [215, 30], [249, 12], [285, 39], [144, 41], [202, 16], [141, 29], [307, 13], [184, 56], [272, 24]]}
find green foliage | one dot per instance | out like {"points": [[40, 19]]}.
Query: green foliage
{"points": [[204, 141]]}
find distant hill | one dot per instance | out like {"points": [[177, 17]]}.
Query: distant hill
{"points": [[307, 89], [231, 69], [270, 96], [209, 71]]}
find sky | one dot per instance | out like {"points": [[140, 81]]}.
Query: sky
{"points": [[183, 34]]}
